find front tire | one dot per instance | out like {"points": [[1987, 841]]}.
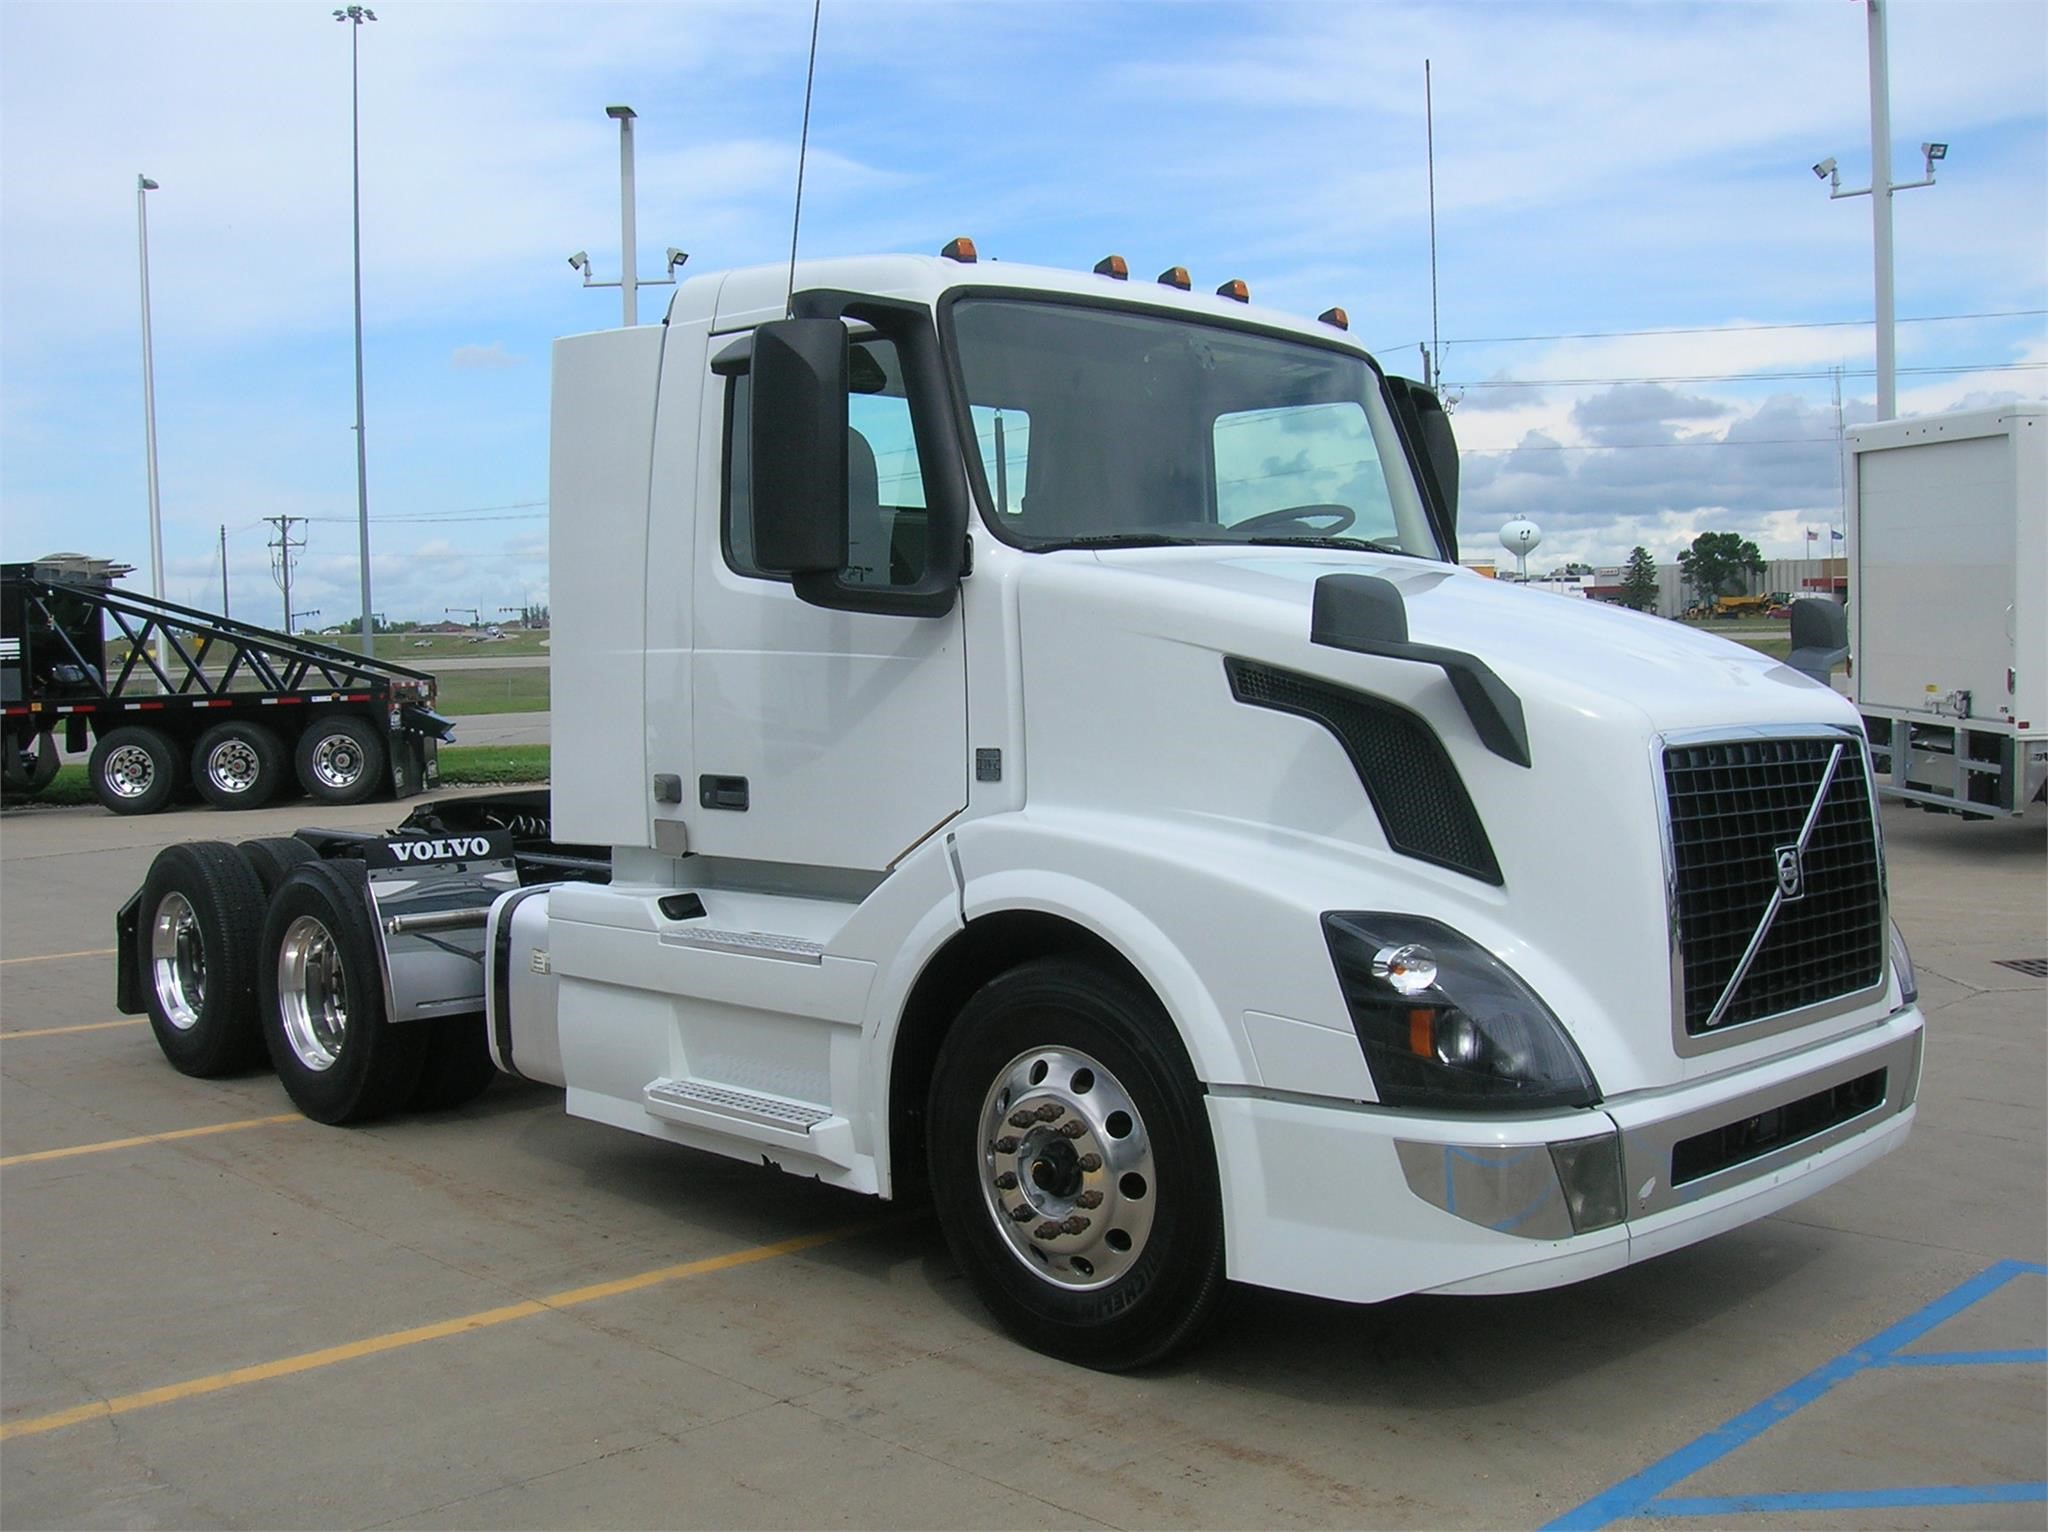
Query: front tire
{"points": [[1072, 1166], [201, 909], [321, 1000]]}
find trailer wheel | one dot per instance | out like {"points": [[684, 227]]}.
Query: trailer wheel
{"points": [[322, 999], [28, 764], [238, 765], [273, 858], [134, 770], [1072, 1166], [340, 759], [458, 1065], [201, 909]]}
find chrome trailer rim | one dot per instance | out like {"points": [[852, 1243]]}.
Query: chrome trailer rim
{"points": [[129, 771], [312, 993], [233, 766], [177, 962], [338, 761], [1067, 1171]]}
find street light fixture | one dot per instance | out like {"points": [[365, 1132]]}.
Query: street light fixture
{"points": [[629, 280], [355, 16], [143, 187], [1881, 206]]}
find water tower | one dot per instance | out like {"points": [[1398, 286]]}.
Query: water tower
{"points": [[1520, 538]]}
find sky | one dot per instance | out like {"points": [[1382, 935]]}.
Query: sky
{"points": [[1599, 168]]}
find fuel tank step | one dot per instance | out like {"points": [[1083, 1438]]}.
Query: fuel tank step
{"points": [[800, 1125]]}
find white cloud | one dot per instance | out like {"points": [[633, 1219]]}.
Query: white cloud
{"points": [[491, 358]]}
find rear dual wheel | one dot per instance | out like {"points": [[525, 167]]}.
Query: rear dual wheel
{"points": [[135, 770], [197, 954], [239, 765]]}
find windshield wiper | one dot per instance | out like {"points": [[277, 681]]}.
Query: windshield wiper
{"points": [[1361, 544], [1122, 540]]}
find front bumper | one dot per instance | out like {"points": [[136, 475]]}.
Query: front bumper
{"points": [[1361, 1203]]}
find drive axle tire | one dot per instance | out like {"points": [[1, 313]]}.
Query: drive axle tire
{"points": [[321, 999], [135, 770], [273, 858], [1072, 1167], [238, 765], [458, 1066], [196, 952], [340, 759]]}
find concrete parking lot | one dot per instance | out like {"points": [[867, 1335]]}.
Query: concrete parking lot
{"points": [[217, 1313]]}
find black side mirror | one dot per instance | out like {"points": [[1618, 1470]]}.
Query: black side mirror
{"points": [[797, 451], [1428, 425], [1820, 637]]}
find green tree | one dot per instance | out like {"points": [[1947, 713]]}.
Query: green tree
{"points": [[1639, 581], [1720, 564]]}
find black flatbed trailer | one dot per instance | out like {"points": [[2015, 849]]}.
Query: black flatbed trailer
{"points": [[237, 712]]}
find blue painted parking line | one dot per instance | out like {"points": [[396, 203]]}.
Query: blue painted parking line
{"points": [[1644, 1493]]}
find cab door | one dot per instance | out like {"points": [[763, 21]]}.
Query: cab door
{"points": [[823, 737]]}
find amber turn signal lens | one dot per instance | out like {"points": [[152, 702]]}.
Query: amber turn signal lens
{"points": [[1176, 276], [1335, 317], [961, 250], [1113, 266], [1235, 288]]}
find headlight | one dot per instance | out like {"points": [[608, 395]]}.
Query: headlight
{"points": [[1444, 1023], [1902, 965]]}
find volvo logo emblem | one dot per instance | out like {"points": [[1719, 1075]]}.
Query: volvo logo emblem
{"points": [[1791, 873]]}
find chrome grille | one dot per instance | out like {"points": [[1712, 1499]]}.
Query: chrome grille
{"points": [[1756, 940]]}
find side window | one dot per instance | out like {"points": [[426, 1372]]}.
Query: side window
{"points": [[1299, 456], [885, 499]]}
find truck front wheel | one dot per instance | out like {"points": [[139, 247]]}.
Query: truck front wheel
{"points": [[1073, 1169], [321, 999]]}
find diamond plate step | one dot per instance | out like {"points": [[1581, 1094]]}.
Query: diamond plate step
{"points": [[790, 949], [741, 1106]]}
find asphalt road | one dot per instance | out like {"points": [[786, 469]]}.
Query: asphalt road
{"points": [[213, 1312]]}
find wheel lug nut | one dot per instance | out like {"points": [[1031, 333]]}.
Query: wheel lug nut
{"points": [[1051, 1111], [1090, 1162], [1046, 1230], [1087, 1199], [1022, 1212], [1076, 1224], [1021, 1119], [1073, 1129], [1007, 1182], [1006, 1145]]}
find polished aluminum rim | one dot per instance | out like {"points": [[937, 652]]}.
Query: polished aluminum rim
{"points": [[129, 771], [233, 766], [1066, 1168], [312, 993], [338, 761], [177, 962]]}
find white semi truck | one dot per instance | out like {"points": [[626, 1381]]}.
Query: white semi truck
{"points": [[1948, 557], [1024, 736]]}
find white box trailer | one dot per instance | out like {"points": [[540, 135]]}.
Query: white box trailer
{"points": [[1948, 552]]}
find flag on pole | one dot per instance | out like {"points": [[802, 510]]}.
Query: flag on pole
{"points": [[1812, 536], [1833, 535]]}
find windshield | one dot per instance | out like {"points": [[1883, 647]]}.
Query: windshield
{"points": [[1101, 427]]}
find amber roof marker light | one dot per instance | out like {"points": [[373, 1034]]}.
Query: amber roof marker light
{"points": [[961, 250], [1336, 317], [1236, 290], [1113, 266], [1176, 276]]}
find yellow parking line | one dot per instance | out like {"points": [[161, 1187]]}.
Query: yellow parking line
{"points": [[308, 1361], [90, 1026], [151, 1138], [51, 957]]}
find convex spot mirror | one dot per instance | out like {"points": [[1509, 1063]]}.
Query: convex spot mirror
{"points": [[797, 451]]}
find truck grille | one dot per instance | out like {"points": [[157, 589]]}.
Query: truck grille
{"points": [[1739, 810]]}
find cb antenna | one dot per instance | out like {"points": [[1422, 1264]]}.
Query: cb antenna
{"points": [[802, 150], [1436, 361]]}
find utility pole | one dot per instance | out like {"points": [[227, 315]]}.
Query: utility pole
{"points": [[224, 570], [355, 16], [281, 566], [143, 187]]}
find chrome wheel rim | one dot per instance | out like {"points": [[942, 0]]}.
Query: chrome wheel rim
{"points": [[1067, 1172], [338, 761], [233, 766], [177, 962], [312, 993], [129, 771]]}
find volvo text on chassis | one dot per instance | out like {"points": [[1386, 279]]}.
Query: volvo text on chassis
{"points": [[1042, 751]]}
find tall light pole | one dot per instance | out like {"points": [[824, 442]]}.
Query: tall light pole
{"points": [[1879, 191], [143, 187], [630, 281], [355, 16]]}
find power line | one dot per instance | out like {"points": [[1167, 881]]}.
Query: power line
{"points": [[1756, 441], [1733, 329], [1747, 377]]}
